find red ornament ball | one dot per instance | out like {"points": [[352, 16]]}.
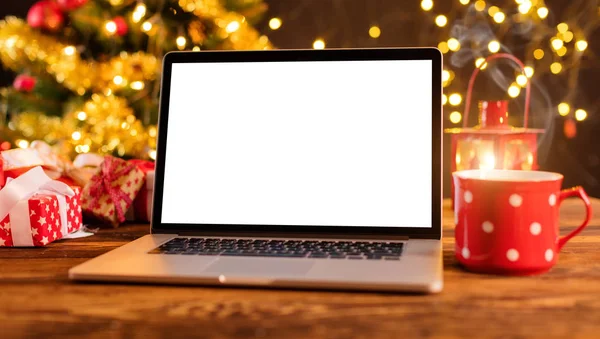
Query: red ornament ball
{"points": [[4, 146], [121, 25], [570, 129], [69, 5], [24, 83], [46, 15]]}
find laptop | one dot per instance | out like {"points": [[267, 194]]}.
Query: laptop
{"points": [[294, 168]]}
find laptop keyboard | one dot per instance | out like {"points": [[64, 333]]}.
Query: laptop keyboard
{"points": [[352, 250]]}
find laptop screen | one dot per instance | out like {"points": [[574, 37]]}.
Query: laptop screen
{"points": [[311, 143]]}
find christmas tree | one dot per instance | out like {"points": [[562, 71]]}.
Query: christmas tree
{"points": [[89, 70]]}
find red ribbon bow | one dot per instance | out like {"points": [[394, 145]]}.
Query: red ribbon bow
{"points": [[104, 183]]}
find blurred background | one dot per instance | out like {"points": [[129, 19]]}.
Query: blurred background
{"points": [[558, 40]]}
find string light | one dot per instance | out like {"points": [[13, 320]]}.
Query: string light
{"points": [[455, 117], [562, 51], [567, 36], [118, 80], [138, 13], [275, 23], [538, 54], [441, 20], [556, 67], [427, 5], [22, 143], [445, 75], [146, 26], [374, 32], [453, 44], [521, 80], [494, 46], [76, 135], [580, 114], [152, 154], [319, 44], [514, 90], [444, 99], [196, 49], [581, 45], [493, 10], [525, 7], [455, 99], [137, 85], [479, 5], [556, 43], [528, 71], [232, 27], [443, 47], [116, 2], [542, 12], [111, 27], [69, 50], [562, 27], [81, 116], [464, 2], [499, 17], [563, 109], [480, 63], [180, 41]]}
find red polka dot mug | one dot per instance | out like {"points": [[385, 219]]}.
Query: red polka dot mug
{"points": [[507, 221]]}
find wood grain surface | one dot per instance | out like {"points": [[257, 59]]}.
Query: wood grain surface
{"points": [[37, 300]]}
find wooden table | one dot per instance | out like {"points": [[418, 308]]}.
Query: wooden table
{"points": [[36, 299]]}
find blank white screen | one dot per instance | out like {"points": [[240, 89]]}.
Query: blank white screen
{"points": [[344, 143]]}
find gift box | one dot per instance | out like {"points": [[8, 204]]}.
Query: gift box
{"points": [[111, 190], [142, 205], [36, 210]]}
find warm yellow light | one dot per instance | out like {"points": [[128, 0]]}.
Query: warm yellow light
{"points": [[455, 117], [581, 45], [464, 2], [580, 115], [479, 5], [556, 43], [69, 50], [180, 41], [453, 44], [85, 148], [82, 116], [487, 161], [427, 5], [444, 99], [493, 10], [319, 44], [562, 51], [455, 99], [111, 27], [525, 7], [563, 109], [137, 85], [542, 12], [528, 71], [138, 13], [22, 143], [374, 32], [514, 91], [146, 26], [445, 75], [196, 49], [441, 20], [499, 17], [118, 80], [494, 46], [152, 154], [521, 80], [275, 23], [567, 36], [443, 47], [480, 63], [232, 27], [76, 135], [538, 53], [556, 67], [562, 27]]}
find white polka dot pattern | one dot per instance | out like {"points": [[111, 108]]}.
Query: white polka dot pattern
{"points": [[535, 228], [549, 255], [552, 199], [468, 197], [515, 200], [487, 227], [512, 255], [466, 253]]}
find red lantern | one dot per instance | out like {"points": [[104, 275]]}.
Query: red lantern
{"points": [[494, 143]]}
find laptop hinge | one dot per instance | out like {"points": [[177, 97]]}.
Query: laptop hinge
{"points": [[293, 235]]}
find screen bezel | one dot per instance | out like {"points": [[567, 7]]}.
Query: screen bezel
{"points": [[432, 54]]}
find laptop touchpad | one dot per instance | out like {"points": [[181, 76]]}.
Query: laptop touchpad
{"points": [[269, 267]]}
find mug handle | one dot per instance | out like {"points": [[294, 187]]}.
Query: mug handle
{"points": [[580, 193]]}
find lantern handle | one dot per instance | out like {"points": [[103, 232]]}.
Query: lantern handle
{"points": [[472, 82]]}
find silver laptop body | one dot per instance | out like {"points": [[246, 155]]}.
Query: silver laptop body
{"points": [[294, 168]]}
